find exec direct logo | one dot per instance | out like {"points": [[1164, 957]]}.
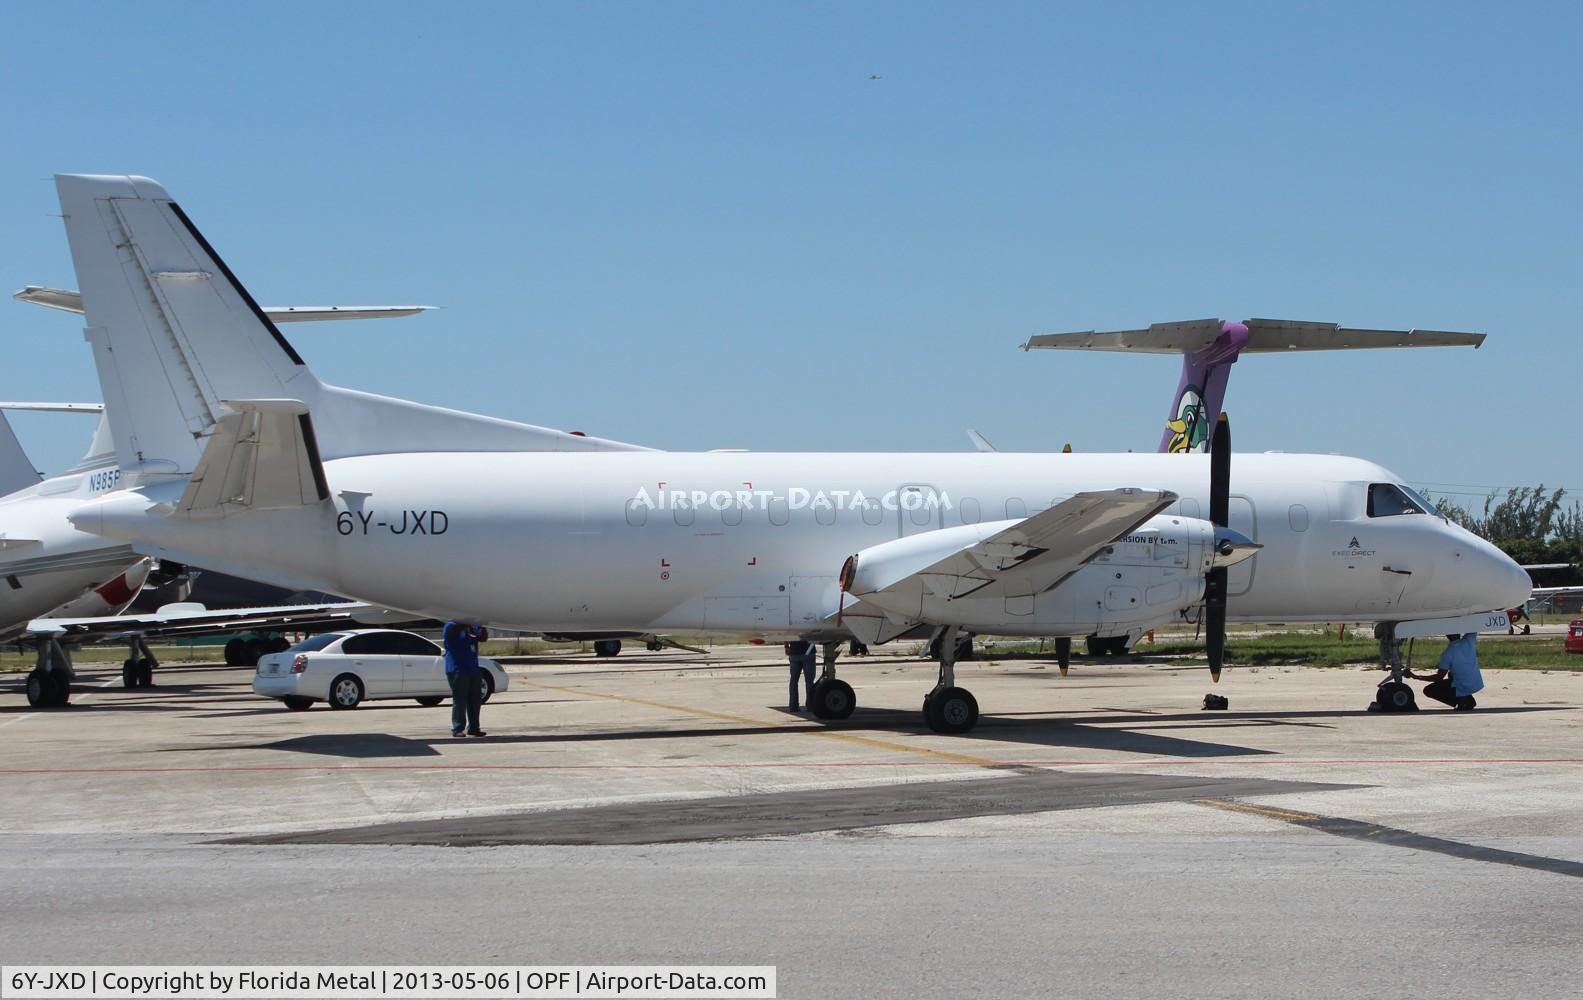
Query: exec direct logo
{"points": [[795, 498]]}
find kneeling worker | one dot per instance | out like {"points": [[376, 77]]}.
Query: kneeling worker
{"points": [[462, 672], [1458, 678]]}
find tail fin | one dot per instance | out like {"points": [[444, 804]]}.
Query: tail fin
{"points": [[174, 334], [16, 471]]}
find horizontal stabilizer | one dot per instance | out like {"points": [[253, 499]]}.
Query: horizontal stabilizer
{"points": [[94, 408], [195, 619], [1264, 336], [262, 455], [68, 300]]}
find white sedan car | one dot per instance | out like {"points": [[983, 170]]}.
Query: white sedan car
{"points": [[348, 668]]}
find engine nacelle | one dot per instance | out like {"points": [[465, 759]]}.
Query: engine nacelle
{"points": [[1146, 578]]}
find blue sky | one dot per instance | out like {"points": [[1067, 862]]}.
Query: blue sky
{"points": [[703, 225]]}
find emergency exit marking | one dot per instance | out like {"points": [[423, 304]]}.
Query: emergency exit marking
{"points": [[664, 562], [754, 561]]}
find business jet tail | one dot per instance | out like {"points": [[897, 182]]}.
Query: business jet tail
{"points": [[16, 470], [175, 334]]}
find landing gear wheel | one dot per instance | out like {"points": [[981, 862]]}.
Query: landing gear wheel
{"points": [[1110, 645], [233, 653], [252, 649], [143, 673], [346, 691], [951, 711], [129, 674], [298, 704], [1394, 696], [42, 690], [654, 645], [832, 698], [486, 686], [607, 647], [429, 701]]}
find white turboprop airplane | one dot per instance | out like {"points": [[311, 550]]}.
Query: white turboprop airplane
{"points": [[238, 458]]}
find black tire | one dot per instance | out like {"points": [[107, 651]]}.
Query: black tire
{"points": [[346, 692], [654, 645], [964, 649], [234, 653], [952, 711], [276, 645], [486, 685], [297, 704], [429, 700], [41, 690], [607, 647], [832, 698], [145, 673], [252, 649], [129, 674], [62, 687], [1395, 696]]}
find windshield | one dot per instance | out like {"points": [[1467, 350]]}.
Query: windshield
{"points": [[1388, 500], [314, 643]]}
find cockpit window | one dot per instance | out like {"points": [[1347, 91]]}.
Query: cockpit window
{"points": [[1388, 500]]}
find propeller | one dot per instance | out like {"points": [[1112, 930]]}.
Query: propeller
{"points": [[1220, 516]]}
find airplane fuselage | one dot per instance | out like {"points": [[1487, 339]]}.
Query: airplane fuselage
{"points": [[753, 542]]}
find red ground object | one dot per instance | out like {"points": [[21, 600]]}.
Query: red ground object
{"points": [[1575, 636]]}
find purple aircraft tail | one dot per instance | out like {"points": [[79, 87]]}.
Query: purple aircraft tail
{"points": [[1209, 347]]}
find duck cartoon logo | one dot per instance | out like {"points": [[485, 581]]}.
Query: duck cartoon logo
{"points": [[1190, 429]]}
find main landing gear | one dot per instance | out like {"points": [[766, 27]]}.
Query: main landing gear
{"points": [[831, 698], [137, 671], [949, 709], [49, 682], [1393, 695]]}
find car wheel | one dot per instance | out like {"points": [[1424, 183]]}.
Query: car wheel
{"points": [[297, 704], [486, 686], [346, 691], [429, 701]]}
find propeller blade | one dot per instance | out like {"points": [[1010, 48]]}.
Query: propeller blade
{"points": [[1220, 473], [1215, 625]]}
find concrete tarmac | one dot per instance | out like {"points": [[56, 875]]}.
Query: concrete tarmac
{"points": [[1096, 835]]}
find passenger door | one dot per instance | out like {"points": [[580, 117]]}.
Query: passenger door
{"points": [[375, 658], [423, 667]]}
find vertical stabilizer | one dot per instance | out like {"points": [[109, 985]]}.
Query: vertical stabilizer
{"points": [[16, 470], [173, 332], [1201, 391]]}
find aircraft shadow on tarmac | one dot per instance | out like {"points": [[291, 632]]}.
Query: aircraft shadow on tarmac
{"points": [[1088, 732]]}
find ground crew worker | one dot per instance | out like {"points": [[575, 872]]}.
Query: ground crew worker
{"points": [[801, 655], [1458, 678], [462, 673]]}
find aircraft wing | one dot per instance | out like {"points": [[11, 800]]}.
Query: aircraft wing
{"points": [[68, 300], [1264, 336], [1037, 553], [196, 620]]}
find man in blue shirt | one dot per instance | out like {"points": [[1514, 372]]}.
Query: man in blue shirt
{"points": [[1458, 678], [462, 673]]}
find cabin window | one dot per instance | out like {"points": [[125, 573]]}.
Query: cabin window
{"points": [[637, 513], [1297, 514], [779, 512], [1389, 500], [731, 515], [824, 513], [683, 511], [969, 511], [873, 513], [1016, 510], [1189, 507]]}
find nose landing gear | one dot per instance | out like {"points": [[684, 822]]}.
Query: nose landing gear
{"points": [[1393, 695]]}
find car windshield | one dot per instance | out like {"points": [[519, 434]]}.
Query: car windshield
{"points": [[314, 643]]}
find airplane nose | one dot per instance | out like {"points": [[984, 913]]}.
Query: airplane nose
{"points": [[1506, 583]]}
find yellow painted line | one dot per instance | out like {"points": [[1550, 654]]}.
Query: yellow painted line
{"points": [[1285, 815], [955, 758]]}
